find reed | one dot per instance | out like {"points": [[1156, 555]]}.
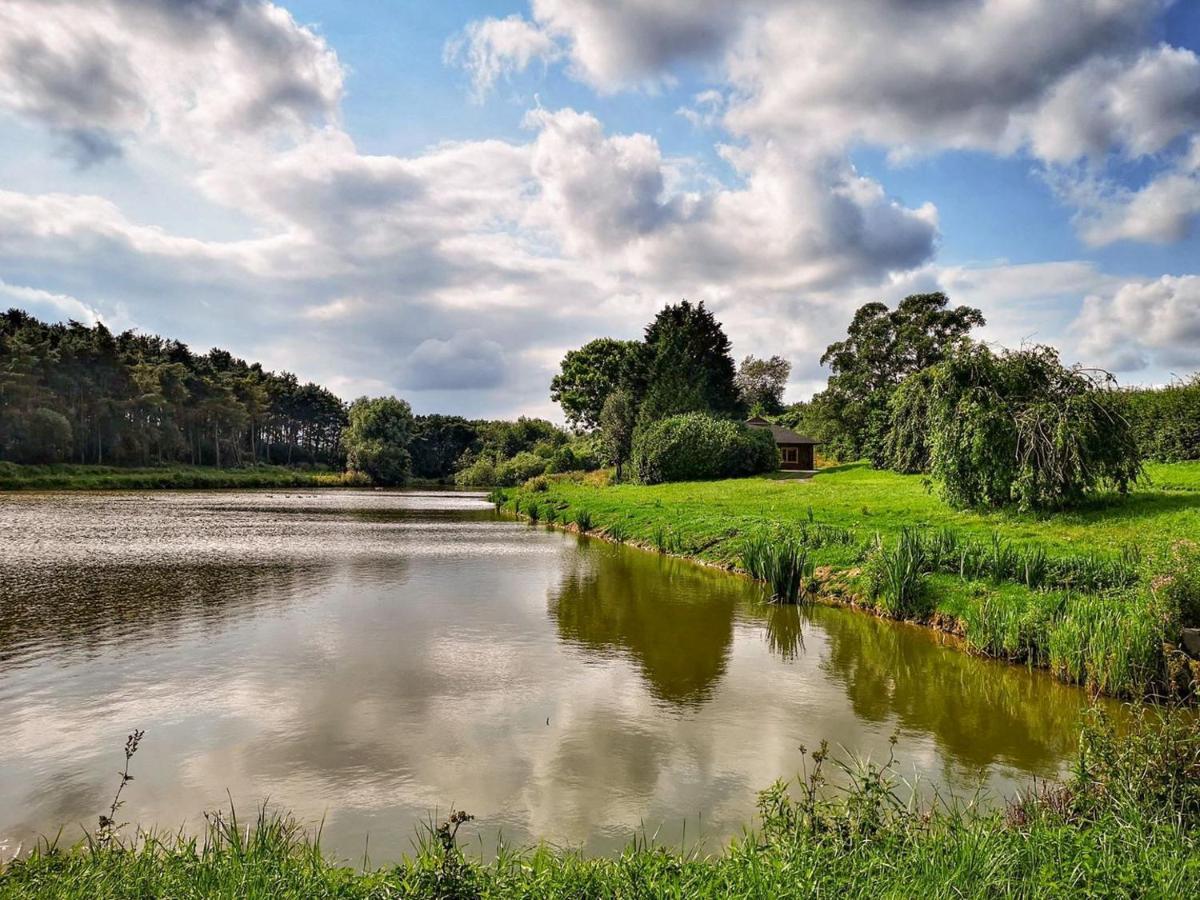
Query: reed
{"points": [[782, 562], [897, 575]]}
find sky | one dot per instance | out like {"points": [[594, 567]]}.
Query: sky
{"points": [[438, 200]]}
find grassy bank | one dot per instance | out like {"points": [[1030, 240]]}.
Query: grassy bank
{"points": [[1126, 824], [82, 478], [1092, 595]]}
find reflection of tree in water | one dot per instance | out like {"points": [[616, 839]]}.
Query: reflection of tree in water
{"points": [[80, 608], [674, 618], [784, 629], [981, 711]]}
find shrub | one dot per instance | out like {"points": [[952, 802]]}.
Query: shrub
{"points": [[519, 469], [537, 485], [695, 446], [1165, 421], [480, 473], [1179, 583]]}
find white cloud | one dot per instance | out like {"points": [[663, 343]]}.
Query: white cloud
{"points": [[493, 48], [472, 264], [199, 76], [1062, 81], [1142, 324], [49, 305], [466, 361]]}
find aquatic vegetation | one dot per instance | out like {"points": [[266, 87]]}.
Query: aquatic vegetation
{"points": [[897, 576], [782, 562]]}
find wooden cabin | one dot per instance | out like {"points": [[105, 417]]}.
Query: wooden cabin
{"points": [[796, 452]]}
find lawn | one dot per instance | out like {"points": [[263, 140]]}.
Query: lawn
{"points": [[1095, 617], [1152, 517]]}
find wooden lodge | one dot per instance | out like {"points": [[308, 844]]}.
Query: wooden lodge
{"points": [[796, 451]]}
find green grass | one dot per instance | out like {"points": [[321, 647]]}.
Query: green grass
{"points": [[1073, 592], [83, 478], [1127, 823]]}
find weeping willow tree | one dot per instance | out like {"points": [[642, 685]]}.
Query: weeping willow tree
{"points": [[1014, 428]]}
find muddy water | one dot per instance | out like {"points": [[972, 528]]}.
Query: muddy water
{"points": [[369, 658]]}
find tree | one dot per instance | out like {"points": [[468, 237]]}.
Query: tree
{"points": [[618, 419], [883, 347], [590, 374], [376, 440], [1020, 428], [761, 383], [689, 367], [438, 443]]}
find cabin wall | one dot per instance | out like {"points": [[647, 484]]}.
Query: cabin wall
{"points": [[796, 457]]}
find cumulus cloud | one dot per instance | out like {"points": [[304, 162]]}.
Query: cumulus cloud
{"points": [[1144, 323], [199, 74], [466, 361], [1062, 81], [460, 274]]}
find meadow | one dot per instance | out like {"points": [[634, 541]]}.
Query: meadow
{"points": [[1081, 592]]}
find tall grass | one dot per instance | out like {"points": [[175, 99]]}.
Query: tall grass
{"points": [[1000, 560], [782, 561], [897, 576]]}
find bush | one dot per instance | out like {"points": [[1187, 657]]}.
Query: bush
{"points": [[1179, 582], [480, 473], [695, 447], [520, 469], [579, 457]]}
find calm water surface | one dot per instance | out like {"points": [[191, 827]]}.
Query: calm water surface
{"points": [[366, 658]]}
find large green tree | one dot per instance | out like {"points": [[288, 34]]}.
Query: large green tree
{"points": [[688, 365], [761, 383], [376, 440], [1020, 428], [882, 347], [439, 442], [590, 374]]}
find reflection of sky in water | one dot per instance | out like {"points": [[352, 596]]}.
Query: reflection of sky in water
{"points": [[368, 657]]}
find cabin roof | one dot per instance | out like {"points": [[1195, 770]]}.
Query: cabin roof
{"points": [[782, 435]]}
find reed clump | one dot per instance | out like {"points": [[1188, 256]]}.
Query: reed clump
{"points": [[783, 562]]}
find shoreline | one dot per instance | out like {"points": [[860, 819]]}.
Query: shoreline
{"points": [[992, 619]]}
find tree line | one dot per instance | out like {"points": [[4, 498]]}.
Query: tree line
{"points": [[74, 393]]}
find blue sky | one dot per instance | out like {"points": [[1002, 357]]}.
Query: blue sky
{"points": [[437, 200]]}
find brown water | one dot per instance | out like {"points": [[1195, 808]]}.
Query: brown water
{"points": [[366, 658]]}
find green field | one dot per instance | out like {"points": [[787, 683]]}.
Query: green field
{"points": [[83, 478], [1126, 824], [1096, 618]]}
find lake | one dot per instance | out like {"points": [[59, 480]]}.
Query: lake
{"points": [[368, 658]]}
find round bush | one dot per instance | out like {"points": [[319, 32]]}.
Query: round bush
{"points": [[695, 446]]}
